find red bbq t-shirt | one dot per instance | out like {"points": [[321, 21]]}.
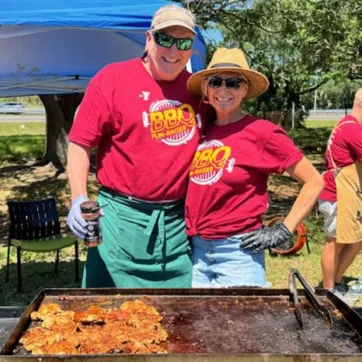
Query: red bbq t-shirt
{"points": [[345, 146], [146, 131], [227, 192]]}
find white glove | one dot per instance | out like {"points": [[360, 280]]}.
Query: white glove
{"points": [[75, 220]]}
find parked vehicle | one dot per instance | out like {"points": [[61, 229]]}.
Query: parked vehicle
{"points": [[11, 108]]}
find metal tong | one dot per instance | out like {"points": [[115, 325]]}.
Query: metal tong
{"points": [[293, 295], [320, 309]]}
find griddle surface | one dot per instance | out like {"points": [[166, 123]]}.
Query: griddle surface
{"points": [[236, 324]]}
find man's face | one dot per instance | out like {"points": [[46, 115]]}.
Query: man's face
{"points": [[167, 63]]}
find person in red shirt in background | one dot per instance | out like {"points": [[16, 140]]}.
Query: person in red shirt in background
{"points": [[341, 202], [146, 127], [227, 193]]}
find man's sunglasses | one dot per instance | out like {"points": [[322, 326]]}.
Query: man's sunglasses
{"points": [[166, 41], [230, 83]]}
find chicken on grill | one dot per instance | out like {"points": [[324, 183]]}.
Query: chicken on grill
{"points": [[132, 328]]}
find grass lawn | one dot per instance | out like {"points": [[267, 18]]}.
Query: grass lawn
{"points": [[22, 143], [320, 124]]}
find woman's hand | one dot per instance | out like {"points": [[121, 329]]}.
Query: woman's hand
{"points": [[268, 237]]}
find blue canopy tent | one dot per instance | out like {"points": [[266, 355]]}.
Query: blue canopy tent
{"points": [[56, 46]]}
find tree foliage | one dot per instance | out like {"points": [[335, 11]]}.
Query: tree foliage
{"points": [[299, 44], [333, 95]]}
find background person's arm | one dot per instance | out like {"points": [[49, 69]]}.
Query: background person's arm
{"points": [[78, 169], [305, 173]]}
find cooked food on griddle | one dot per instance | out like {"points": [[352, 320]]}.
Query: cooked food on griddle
{"points": [[63, 318], [93, 314], [138, 306], [132, 328], [59, 347], [46, 310], [37, 337]]}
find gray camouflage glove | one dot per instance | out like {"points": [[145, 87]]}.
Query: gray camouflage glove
{"points": [[275, 236]]}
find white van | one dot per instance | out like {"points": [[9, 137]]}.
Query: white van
{"points": [[11, 108]]}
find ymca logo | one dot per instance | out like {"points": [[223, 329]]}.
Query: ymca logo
{"points": [[210, 161], [171, 122], [144, 95]]}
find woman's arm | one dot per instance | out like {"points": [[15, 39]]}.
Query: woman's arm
{"points": [[305, 173]]}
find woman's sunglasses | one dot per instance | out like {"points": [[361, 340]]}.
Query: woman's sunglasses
{"points": [[166, 41], [230, 83]]}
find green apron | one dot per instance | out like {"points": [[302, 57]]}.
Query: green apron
{"points": [[144, 246]]}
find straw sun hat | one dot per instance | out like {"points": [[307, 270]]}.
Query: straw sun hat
{"points": [[233, 61]]}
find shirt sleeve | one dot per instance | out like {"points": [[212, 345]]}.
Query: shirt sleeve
{"points": [[94, 114], [353, 137], [279, 152]]}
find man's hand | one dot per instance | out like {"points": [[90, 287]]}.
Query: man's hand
{"points": [[275, 236], [75, 220]]}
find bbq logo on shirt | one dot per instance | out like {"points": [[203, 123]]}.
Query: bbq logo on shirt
{"points": [[171, 122], [210, 161]]}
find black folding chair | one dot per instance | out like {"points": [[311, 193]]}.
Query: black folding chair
{"points": [[35, 226]]}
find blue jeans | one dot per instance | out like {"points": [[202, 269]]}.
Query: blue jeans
{"points": [[222, 263]]}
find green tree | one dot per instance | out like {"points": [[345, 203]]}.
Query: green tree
{"points": [[299, 44], [334, 94]]}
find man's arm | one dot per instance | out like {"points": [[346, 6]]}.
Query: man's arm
{"points": [[78, 169]]}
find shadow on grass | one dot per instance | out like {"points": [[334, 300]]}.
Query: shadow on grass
{"points": [[281, 202], [35, 277], [9, 170], [13, 148], [285, 257], [312, 140], [37, 190]]}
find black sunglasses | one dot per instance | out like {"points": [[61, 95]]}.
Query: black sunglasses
{"points": [[166, 41], [230, 83]]}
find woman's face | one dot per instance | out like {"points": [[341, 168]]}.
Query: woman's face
{"points": [[226, 91]]}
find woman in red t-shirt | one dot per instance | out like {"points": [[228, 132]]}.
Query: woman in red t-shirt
{"points": [[227, 193]]}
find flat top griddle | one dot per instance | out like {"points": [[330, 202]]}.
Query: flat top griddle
{"points": [[9, 317], [222, 321]]}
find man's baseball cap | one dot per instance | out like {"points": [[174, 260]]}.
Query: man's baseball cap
{"points": [[173, 15]]}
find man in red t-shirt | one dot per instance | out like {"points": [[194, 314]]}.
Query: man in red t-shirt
{"points": [[146, 127], [227, 194], [344, 150]]}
